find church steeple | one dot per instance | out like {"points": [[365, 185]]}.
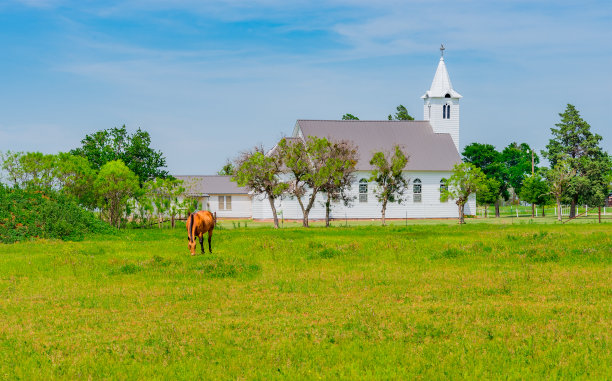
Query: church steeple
{"points": [[441, 107], [441, 84]]}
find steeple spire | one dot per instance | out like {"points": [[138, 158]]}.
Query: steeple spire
{"points": [[441, 84]]}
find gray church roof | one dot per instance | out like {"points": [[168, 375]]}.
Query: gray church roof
{"points": [[428, 151], [207, 185]]}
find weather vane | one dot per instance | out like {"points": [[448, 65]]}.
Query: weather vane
{"points": [[442, 50]]}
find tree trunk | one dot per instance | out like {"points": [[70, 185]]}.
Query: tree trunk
{"points": [[384, 209], [172, 223], [573, 206], [461, 206], [327, 209], [543, 211], [497, 208], [486, 211], [271, 199], [532, 210], [558, 209]]}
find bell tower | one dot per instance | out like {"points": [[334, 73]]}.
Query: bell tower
{"points": [[441, 106]]}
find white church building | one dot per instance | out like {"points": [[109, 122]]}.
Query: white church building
{"points": [[432, 145]]}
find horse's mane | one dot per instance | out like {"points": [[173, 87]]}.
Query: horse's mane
{"points": [[190, 233]]}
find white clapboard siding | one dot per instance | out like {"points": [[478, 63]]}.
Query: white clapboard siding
{"points": [[429, 207], [240, 208]]}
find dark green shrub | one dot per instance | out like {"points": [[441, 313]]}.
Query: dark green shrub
{"points": [[34, 213]]}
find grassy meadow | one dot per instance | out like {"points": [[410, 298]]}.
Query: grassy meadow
{"points": [[424, 301]]}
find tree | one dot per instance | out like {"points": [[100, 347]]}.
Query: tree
{"points": [[573, 141], [261, 173], [134, 150], [164, 195], [388, 175], [559, 178], [490, 195], [401, 114], [76, 178], [29, 169], [227, 169], [517, 159], [115, 184], [489, 160], [535, 191], [342, 160], [308, 162], [465, 180], [349, 117]]}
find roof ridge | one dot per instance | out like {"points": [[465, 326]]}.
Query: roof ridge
{"points": [[357, 121]]}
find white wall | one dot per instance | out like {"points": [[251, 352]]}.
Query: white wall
{"points": [[429, 207], [241, 206]]}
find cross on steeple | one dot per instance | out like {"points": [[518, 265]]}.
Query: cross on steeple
{"points": [[442, 50]]}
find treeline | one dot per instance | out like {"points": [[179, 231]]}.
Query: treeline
{"points": [[580, 171], [114, 174]]}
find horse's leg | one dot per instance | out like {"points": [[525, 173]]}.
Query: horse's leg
{"points": [[202, 243], [209, 239]]}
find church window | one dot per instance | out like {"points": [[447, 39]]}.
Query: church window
{"points": [[443, 188], [363, 190], [447, 95], [416, 190], [447, 111], [444, 112]]}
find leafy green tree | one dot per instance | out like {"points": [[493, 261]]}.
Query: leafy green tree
{"points": [[134, 150], [517, 159], [535, 191], [115, 184], [76, 178], [490, 195], [11, 166], [29, 169], [227, 169], [342, 159], [559, 178], [573, 141], [308, 162], [465, 180], [349, 117], [261, 173], [489, 160], [388, 175], [401, 114]]}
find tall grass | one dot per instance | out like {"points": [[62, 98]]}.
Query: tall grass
{"points": [[422, 301]]}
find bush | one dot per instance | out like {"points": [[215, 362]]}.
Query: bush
{"points": [[34, 213]]}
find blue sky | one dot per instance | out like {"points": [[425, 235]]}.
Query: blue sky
{"points": [[208, 79]]}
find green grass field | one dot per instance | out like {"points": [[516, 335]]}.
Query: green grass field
{"points": [[435, 301]]}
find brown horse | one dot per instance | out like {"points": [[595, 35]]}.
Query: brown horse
{"points": [[199, 223]]}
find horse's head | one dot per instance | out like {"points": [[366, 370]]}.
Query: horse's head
{"points": [[192, 245]]}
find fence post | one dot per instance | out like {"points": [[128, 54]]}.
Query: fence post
{"points": [[517, 212]]}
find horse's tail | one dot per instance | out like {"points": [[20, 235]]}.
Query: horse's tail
{"points": [[190, 227]]}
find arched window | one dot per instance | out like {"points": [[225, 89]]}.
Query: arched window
{"points": [[444, 112], [363, 190], [443, 188], [447, 111], [447, 95], [416, 190]]}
